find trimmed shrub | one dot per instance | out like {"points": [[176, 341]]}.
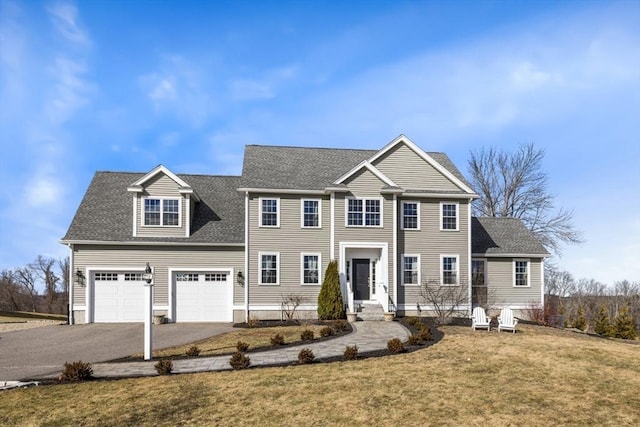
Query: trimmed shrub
{"points": [[307, 335], [193, 351], [305, 356], [277, 339], [415, 339], [425, 333], [327, 331], [340, 325], [76, 371], [239, 360], [395, 346], [242, 346], [330, 305], [253, 322], [580, 322], [164, 366], [350, 353], [623, 325], [414, 321]]}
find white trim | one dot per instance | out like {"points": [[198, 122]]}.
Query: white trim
{"points": [[160, 168], [277, 199], [470, 258], [364, 211], [457, 257], [90, 285], [302, 212], [172, 308], [404, 202], [187, 208], [281, 191], [382, 273], [395, 252], [419, 261], [162, 200], [484, 261], [457, 205], [80, 308], [528, 273], [455, 196], [542, 282], [71, 285], [367, 165], [303, 307], [332, 237], [135, 215], [149, 243], [260, 255], [246, 256], [427, 307], [511, 255], [302, 255]]}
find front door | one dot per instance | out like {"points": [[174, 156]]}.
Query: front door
{"points": [[361, 279]]}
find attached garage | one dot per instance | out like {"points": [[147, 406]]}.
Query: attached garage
{"points": [[118, 296], [203, 296]]}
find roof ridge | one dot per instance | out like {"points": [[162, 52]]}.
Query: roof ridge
{"points": [[311, 148]]}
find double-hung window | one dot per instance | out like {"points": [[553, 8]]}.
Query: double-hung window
{"points": [[364, 212], [410, 215], [269, 268], [449, 216], [161, 212], [310, 269], [478, 267], [269, 212], [411, 269], [449, 269], [521, 272], [310, 213]]}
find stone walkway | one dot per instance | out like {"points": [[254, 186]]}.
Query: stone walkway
{"points": [[368, 336]]}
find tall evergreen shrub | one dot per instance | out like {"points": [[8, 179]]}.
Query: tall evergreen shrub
{"points": [[601, 325], [580, 322], [330, 304], [624, 326]]}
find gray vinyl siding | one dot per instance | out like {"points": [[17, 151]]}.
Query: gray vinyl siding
{"points": [[161, 258], [289, 240], [161, 186], [500, 282], [430, 243], [408, 170]]}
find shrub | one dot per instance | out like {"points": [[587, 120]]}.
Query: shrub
{"points": [[193, 351], [413, 321], [242, 346], [340, 325], [601, 325], [624, 327], [76, 371], [415, 339], [252, 322], [307, 335], [395, 346], [425, 333], [330, 305], [277, 339], [305, 356], [164, 366], [239, 360], [580, 322], [350, 353], [327, 331]]}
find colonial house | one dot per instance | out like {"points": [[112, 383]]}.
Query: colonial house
{"points": [[226, 248]]}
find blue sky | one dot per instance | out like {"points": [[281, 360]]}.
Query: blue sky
{"points": [[123, 86]]}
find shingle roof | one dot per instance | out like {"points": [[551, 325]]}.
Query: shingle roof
{"points": [[496, 236], [105, 211]]}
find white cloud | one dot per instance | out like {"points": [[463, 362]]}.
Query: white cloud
{"points": [[44, 191], [70, 91], [64, 17]]}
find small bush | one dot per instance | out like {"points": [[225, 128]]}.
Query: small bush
{"points": [[277, 339], [340, 325], [239, 360], [415, 339], [305, 356], [395, 346], [76, 371], [164, 366], [242, 346], [425, 333], [252, 322], [327, 331], [307, 335], [413, 321], [193, 351], [350, 353]]}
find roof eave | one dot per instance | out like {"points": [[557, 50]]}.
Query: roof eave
{"points": [[511, 255], [145, 243]]}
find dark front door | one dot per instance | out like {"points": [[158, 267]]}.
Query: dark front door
{"points": [[360, 279]]}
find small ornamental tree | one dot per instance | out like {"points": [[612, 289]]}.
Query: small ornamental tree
{"points": [[580, 322], [330, 305], [624, 327], [601, 325]]}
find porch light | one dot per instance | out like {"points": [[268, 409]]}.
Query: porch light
{"points": [[240, 279], [80, 279], [148, 275]]}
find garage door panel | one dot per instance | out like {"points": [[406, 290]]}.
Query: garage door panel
{"points": [[118, 298], [205, 299]]}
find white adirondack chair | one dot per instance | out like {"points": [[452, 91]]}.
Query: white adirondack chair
{"points": [[506, 321], [480, 319]]}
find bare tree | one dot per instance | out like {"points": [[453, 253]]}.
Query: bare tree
{"points": [[27, 278], [44, 268], [514, 185], [444, 300], [11, 298]]}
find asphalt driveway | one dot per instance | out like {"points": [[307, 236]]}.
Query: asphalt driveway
{"points": [[31, 353]]}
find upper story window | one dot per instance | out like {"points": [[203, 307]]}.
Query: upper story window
{"points": [[364, 213], [410, 216], [269, 212], [449, 216], [521, 272], [310, 213], [162, 212], [449, 269]]}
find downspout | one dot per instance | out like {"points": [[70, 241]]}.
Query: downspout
{"points": [[395, 251], [542, 281], [332, 237], [246, 257], [70, 319], [469, 284]]}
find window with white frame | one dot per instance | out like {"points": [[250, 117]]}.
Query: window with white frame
{"points": [[161, 212], [449, 216], [411, 269], [269, 212], [521, 272], [269, 266], [310, 213], [410, 215], [187, 277], [449, 269], [364, 213], [310, 269], [478, 274], [215, 277]]}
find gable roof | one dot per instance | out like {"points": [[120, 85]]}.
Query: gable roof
{"points": [[105, 212], [491, 236]]}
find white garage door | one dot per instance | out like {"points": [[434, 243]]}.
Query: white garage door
{"points": [[118, 297], [203, 296]]}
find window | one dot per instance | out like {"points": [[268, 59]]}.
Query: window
{"points": [[215, 277], [106, 276], [478, 272], [410, 215], [162, 212], [132, 277], [449, 271], [187, 277], [411, 269], [269, 209], [269, 264], [311, 213], [521, 272], [311, 269], [364, 212], [348, 270], [449, 216]]}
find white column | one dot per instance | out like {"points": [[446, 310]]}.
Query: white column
{"points": [[332, 228], [148, 317]]}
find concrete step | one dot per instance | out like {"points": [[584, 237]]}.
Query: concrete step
{"points": [[370, 312]]}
